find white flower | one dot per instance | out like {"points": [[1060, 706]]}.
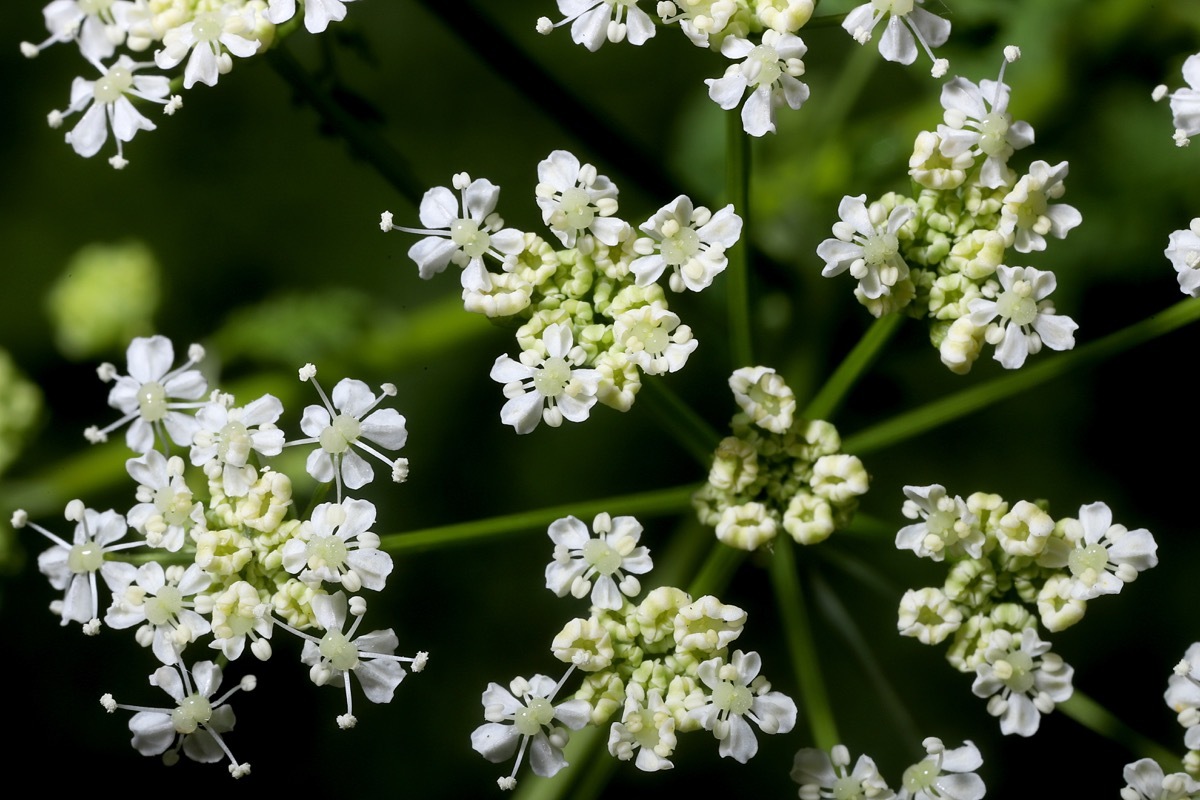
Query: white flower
{"points": [[351, 422], [582, 563], [593, 21], [707, 625], [196, 723], [465, 240], [524, 715], [549, 387], [1145, 781], [770, 70], [336, 546], [1027, 215], [906, 20], [317, 13], [98, 26], [690, 241], [927, 615], [1183, 251], [764, 396], [157, 599], [573, 198], [978, 123], [815, 770], [648, 726], [165, 512], [1183, 695], [210, 37], [653, 339], [1106, 556], [699, 19], [866, 243], [74, 566], [240, 613], [1021, 688], [146, 395], [945, 775], [1185, 103], [1027, 318], [227, 435], [108, 104], [947, 525], [371, 656], [739, 693]]}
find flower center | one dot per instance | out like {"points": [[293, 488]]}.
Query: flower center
{"points": [[847, 788], [898, 7], [466, 234], [1016, 670], [1018, 307], [993, 133], [880, 248], [164, 606], [193, 711], [600, 555], [920, 776], [553, 377], [152, 401], [529, 720], [577, 208], [681, 246], [650, 335], [207, 27], [732, 699], [338, 437], [762, 66], [114, 84], [86, 557], [1091, 559], [233, 444], [328, 551], [94, 7], [339, 651]]}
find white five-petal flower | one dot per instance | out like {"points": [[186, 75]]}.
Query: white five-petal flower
{"points": [[1105, 556], [573, 198], [594, 21], [228, 435], [1022, 678], [336, 546], [691, 241], [210, 37], [583, 563], [908, 23], [551, 387], [866, 243], [945, 774], [738, 693], [1027, 214], [770, 70], [815, 770], [158, 600], [1026, 317], [1183, 251]]}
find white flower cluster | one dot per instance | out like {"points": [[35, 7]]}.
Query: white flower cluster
{"points": [[224, 556], [1004, 561], [760, 35], [592, 315], [777, 471], [663, 665], [206, 34], [942, 775], [942, 254]]}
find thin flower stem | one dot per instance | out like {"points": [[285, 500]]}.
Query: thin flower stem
{"points": [[677, 417], [793, 614], [1095, 717], [363, 141], [662, 501], [910, 424], [716, 571], [831, 395], [737, 191]]}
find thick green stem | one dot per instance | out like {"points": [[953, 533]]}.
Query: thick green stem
{"points": [[678, 419], [1095, 717], [852, 367], [793, 613], [905, 426], [737, 274], [662, 501]]}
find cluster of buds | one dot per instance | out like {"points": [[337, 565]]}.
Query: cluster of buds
{"points": [[1011, 567], [224, 559], [591, 317], [942, 254], [661, 667], [777, 471]]}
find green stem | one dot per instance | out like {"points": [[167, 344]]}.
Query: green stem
{"points": [[1095, 717], [930, 416], [363, 141], [677, 417], [662, 501], [852, 367], [737, 191], [717, 569], [793, 614]]}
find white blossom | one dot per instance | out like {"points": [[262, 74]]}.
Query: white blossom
{"points": [[317, 13], [226, 437], [550, 387], [1105, 556], [1145, 780], [210, 37], [1185, 103], [574, 198], [1022, 678], [739, 694], [867, 244], [166, 510], [654, 339], [827, 775], [1027, 215], [1026, 317], [770, 70], [594, 21], [1183, 251], [691, 241], [647, 727], [97, 26], [336, 546], [764, 396], [908, 23], [978, 123], [604, 565], [158, 601], [946, 525], [945, 774]]}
